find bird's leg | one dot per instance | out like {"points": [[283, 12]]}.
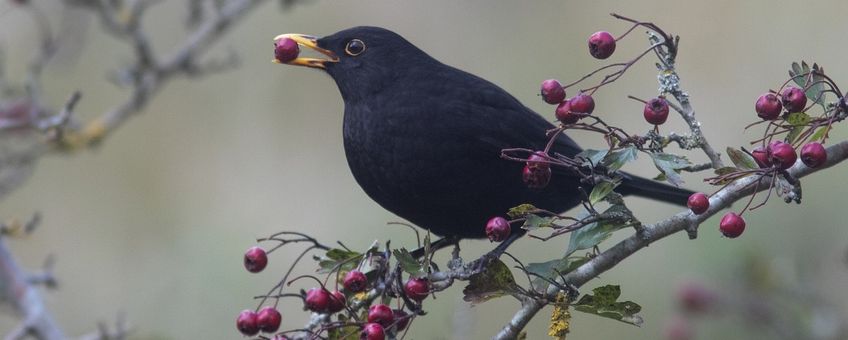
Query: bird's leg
{"points": [[479, 265], [443, 242]]}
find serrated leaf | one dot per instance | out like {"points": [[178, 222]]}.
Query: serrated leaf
{"points": [[602, 189], [819, 134], [534, 222], [616, 159], [798, 118], [604, 303], [594, 233], [814, 85], [593, 156], [670, 165], [521, 210], [549, 270], [494, 281], [726, 170], [338, 259], [408, 263], [742, 159]]}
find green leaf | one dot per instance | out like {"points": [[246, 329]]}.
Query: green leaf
{"points": [[338, 259], [521, 210], [616, 159], [726, 170], [343, 332], [602, 189], [495, 281], [798, 118], [408, 263], [593, 156], [549, 270], [604, 303], [670, 165], [816, 84], [594, 233], [742, 159], [534, 222], [796, 131], [819, 134]]}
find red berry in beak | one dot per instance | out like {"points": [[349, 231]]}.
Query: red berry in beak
{"points": [[286, 50]]}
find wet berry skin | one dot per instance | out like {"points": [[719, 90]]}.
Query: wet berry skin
{"points": [[768, 107], [247, 323], [601, 44], [698, 203], [732, 225], [286, 50], [255, 259], [813, 154], [552, 92], [497, 229], [656, 111]]}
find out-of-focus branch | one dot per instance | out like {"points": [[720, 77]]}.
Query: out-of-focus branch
{"points": [[652, 233]]}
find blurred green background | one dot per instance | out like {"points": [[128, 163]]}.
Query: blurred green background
{"points": [[155, 221]]}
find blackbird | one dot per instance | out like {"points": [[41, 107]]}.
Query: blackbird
{"points": [[424, 139]]}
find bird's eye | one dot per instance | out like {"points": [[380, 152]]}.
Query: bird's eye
{"points": [[355, 47]]}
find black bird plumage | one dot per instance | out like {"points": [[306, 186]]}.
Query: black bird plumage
{"points": [[423, 139]]}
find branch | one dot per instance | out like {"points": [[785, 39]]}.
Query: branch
{"points": [[652, 233]]}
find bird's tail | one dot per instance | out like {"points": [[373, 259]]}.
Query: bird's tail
{"points": [[643, 187]]}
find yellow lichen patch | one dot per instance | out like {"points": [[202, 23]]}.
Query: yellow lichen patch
{"points": [[560, 318]]}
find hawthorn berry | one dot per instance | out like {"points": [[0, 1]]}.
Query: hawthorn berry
{"points": [[255, 259], [601, 44], [317, 300], [794, 99], [401, 319], [355, 282], [732, 225], [698, 203], [286, 50], [381, 314], [417, 289], [782, 154], [552, 91], [768, 107], [760, 155], [268, 319], [565, 114], [247, 323], [497, 229], [582, 103], [336, 302], [536, 173], [656, 111], [373, 331], [813, 154]]}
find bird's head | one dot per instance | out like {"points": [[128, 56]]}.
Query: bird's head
{"points": [[362, 60]]}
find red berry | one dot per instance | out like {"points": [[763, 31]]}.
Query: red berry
{"points": [[497, 229], [793, 99], [768, 107], [268, 320], [373, 331], [732, 225], [401, 319], [564, 113], [813, 154], [381, 314], [601, 44], [286, 50], [317, 300], [536, 178], [695, 298], [417, 289], [246, 323], [355, 282], [782, 154], [582, 103], [336, 302], [552, 91], [656, 111], [698, 203], [255, 259], [760, 155]]}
